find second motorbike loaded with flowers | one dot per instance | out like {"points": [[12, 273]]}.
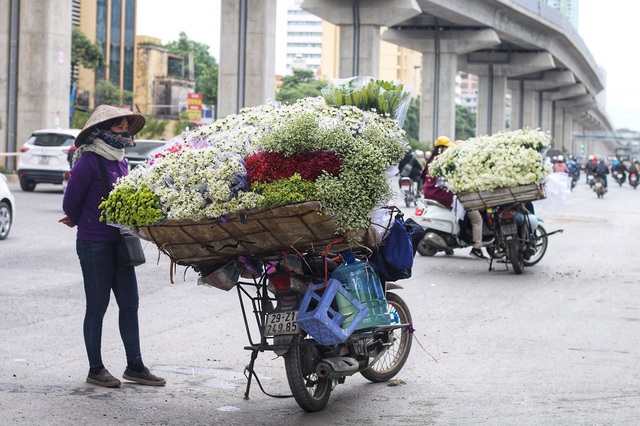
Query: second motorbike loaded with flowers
{"points": [[496, 174]]}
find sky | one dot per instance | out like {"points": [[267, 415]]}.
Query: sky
{"points": [[607, 27]]}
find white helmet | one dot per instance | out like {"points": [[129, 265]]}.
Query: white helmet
{"points": [[560, 158]]}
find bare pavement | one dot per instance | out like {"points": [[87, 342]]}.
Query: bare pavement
{"points": [[559, 344]]}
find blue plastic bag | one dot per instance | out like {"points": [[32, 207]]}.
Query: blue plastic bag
{"points": [[398, 250]]}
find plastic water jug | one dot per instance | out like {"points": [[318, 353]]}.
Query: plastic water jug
{"points": [[359, 279]]}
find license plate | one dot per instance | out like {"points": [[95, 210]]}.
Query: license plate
{"points": [[405, 185], [633, 178], [281, 323], [598, 184], [509, 228], [44, 159]]}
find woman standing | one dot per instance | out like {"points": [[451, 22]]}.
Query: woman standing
{"points": [[101, 144]]}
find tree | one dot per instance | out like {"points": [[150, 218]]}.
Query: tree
{"points": [[205, 66], [153, 128], [84, 52], [465, 123], [183, 124], [109, 94], [412, 123], [301, 84]]}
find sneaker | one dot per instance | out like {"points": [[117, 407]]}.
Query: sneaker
{"points": [[144, 378], [476, 252], [104, 379]]}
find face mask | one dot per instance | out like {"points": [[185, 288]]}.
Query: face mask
{"points": [[116, 140]]}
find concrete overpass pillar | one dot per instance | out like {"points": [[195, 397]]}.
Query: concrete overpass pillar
{"points": [[360, 22], [558, 128], [368, 62], [493, 68], [565, 110], [524, 111], [438, 96], [492, 93], [567, 136], [258, 83], [440, 53], [35, 86], [545, 114]]}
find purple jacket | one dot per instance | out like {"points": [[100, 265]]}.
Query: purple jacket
{"points": [[84, 194]]}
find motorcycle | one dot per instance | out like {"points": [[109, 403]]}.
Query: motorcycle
{"points": [[519, 237], [599, 187], [313, 369], [443, 230], [591, 179], [633, 180], [409, 190], [620, 177]]}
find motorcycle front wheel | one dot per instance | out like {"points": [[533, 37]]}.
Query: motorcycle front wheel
{"points": [[392, 361], [310, 391], [539, 241]]}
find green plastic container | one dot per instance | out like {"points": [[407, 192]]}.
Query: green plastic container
{"points": [[359, 279]]}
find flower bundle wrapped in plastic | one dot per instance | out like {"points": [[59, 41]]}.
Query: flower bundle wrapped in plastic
{"points": [[503, 160], [369, 94], [267, 156]]}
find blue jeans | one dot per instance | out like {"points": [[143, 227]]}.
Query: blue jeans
{"points": [[102, 273]]}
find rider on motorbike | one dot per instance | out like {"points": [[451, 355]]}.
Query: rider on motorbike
{"points": [[574, 168], [590, 167], [410, 167], [621, 168], [434, 190], [560, 167], [601, 171], [634, 167]]}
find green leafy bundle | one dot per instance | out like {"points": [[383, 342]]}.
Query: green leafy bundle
{"points": [[129, 206], [383, 97]]}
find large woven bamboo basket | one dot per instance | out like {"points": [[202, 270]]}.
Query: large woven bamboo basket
{"points": [[259, 233], [477, 200]]}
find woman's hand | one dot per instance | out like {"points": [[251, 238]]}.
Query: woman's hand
{"points": [[65, 220]]}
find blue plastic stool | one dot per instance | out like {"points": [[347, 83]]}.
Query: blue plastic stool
{"points": [[324, 323]]}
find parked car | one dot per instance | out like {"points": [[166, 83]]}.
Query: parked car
{"points": [[44, 158], [7, 207], [144, 150]]}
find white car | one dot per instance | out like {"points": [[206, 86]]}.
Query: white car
{"points": [[145, 150], [44, 158], [7, 207]]}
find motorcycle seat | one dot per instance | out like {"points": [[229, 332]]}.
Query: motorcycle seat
{"points": [[436, 204]]}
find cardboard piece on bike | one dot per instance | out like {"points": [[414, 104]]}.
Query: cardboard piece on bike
{"points": [[477, 200], [300, 226]]}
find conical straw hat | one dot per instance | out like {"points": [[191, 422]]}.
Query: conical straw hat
{"points": [[105, 113]]}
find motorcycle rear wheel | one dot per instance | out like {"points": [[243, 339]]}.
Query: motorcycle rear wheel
{"points": [[392, 361], [310, 391], [426, 249], [516, 256], [539, 240]]}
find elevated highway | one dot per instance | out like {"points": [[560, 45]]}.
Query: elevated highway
{"points": [[522, 46]]}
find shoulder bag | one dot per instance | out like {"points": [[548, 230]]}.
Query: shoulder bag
{"points": [[128, 246]]}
